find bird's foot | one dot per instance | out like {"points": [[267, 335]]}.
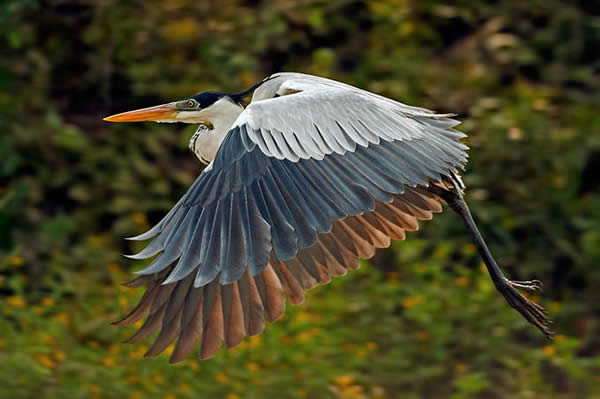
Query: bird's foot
{"points": [[534, 313], [531, 285]]}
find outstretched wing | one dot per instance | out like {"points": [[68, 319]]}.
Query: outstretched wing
{"points": [[313, 175]]}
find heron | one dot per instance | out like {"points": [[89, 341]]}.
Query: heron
{"points": [[307, 178]]}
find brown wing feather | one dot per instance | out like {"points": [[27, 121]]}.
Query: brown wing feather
{"points": [[214, 314], [168, 332], [256, 309], [235, 330], [213, 328], [191, 330], [151, 324]]}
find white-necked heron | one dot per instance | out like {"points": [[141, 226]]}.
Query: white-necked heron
{"points": [[309, 177]]}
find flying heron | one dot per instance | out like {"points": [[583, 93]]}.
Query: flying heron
{"points": [[309, 177]]}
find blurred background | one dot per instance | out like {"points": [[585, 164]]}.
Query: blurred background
{"points": [[421, 319]]}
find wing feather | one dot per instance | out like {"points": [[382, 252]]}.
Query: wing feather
{"points": [[303, 186], [217, 313]]}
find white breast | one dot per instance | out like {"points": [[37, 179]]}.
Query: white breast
{"points": [[206, 141], [200, 144]]}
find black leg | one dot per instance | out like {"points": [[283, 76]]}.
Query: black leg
{"points": [[532, 312]]}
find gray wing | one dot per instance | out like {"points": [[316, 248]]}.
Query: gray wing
{"points": [[287, 204], [296, 116]]}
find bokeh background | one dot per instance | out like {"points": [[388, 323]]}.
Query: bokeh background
{"points": [[420, 320]]}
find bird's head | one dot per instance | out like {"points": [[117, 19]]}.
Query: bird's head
{"points": [[207, 108]]}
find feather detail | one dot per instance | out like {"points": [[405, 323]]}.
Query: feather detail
{"points": [[214, 314], [213, 328]]}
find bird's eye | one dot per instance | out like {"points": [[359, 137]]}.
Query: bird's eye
{"points": [[191, 103]]}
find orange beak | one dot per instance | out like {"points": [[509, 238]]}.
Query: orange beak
{"points": [[156, 113]]}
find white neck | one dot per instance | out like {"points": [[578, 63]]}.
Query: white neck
{"points": [[221, 115]]}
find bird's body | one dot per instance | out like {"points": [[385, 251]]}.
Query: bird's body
{"points": [[311, 176]]}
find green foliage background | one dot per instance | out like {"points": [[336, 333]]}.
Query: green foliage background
{"points": [[421, 320]]}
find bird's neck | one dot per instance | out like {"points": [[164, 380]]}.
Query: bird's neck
{"points": [[206, 142], [223, 114]]}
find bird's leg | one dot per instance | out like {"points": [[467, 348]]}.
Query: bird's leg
{"points": [[531, 311]]}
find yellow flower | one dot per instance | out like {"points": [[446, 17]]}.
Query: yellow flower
{"points": [[59, 356], [195, 366], [139, 218], [549, 350], [352, 391], [48, 339], [252, 366], [138, 353], [181, 28], [37, 310], [136, 395], [304, 336], [254, 341], [114, 349], [16, 301], [62, 318], [412, 301], [558, 338], [94, 389], [303, 316], [371, 346], [242, 345], [109, 361], [344, 379], [461, 367], [461, 281], [158, 379], [15, 260], [232, 396], [45, 361], [123, 302], [185, 388], [221, 378], [47, 302]]}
